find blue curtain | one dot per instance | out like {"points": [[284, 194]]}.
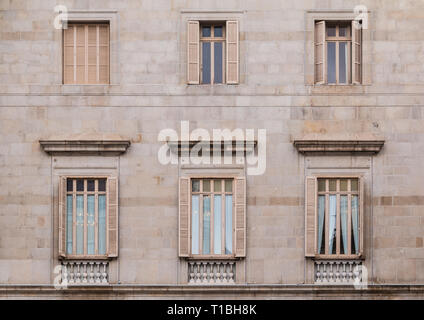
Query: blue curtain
{"points": [[69, 224], [195, 224], [102, 224], [90, 225], [206, 224], [228, 224], [217, 224], [80, 224]]}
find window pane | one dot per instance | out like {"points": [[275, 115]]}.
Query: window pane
{"points": [[206, 31], [206, 185], [80, 185], [354, 184], [342, 31], [195, 185], [90, 224], [331, 31], [333, 184], [80, 224], [218, 62], [69, 184], [217, 224], [217, 31], [332, 222], [228, 185], [102, 225], [321, 224], [228, 224], [343, 185], [355, 225], [102, 184], [343, 62], [331, 62], [343, 223], [69, 225], [195, 224], [321, 185], [90, 185], [217, 186], [206, 62], [206, 225]]}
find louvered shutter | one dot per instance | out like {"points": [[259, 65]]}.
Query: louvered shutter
{"points": [[356, 53], [193, 30], [310, 216], [232, 59], [184, 216], [240, 218], [112, 217], [62, 216], [69, 55], [319, 56]]}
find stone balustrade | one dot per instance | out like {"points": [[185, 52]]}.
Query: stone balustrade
{"points": [[337, 271], [211, 272], [85, 272]]}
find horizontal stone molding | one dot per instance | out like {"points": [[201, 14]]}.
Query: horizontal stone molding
{"points": [[233, 146], [85, 146], [338, 146]]}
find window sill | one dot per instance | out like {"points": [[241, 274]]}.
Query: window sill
{"points": [[339, 257], [84, 257], [212, 257]]}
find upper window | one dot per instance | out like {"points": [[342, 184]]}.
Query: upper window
{"points": [[212, 217], [88, 217], [338, 53], [334, 217], [86, 53], [213, 52]]}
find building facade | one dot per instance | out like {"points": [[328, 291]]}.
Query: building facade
{"points": [[253, 149]]}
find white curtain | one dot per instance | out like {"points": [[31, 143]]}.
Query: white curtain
{"points": [[355, 222], [343, 216], [195, 224], [333, 202]]}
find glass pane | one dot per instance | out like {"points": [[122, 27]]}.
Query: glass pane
{"points": [[206, 225], [195, 224], [332, 222], [206, 185], [69, 224], [333, 184], [228, 224], [331, 31], [331, 62], [102, 184], [69, 184], [217, 185], [195, 185], [321, 224], [217, 31], [354, 185], [102, 224], [90, 185], [206, 31], [218, 62], [90, 224], [321, 185], [343, 223], [80, 224], [343, 185], [342, 31], [80, 185], [217, 224], [228, 185], [355, 225], [206, 62], [343, 62]]}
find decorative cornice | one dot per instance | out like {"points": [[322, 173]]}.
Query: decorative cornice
{"points": [[86, 144], [232, 146], [344, 144]]}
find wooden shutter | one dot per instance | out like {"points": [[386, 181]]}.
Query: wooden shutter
{"points": [[240, 211], [86, 54], [361, 214], [310, 216], [62, 216], [319, 56], [112, 217], [193, 73], [184, 217], [232, 59], [356, 53]]}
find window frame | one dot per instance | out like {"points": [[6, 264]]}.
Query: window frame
{"points": [[106, 192], [361, 196], [212, 39], [223, 256]]}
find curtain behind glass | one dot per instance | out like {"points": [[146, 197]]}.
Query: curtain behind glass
{"points": [[321, 216], [332, 223], [355, 223], [343, 217]]}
